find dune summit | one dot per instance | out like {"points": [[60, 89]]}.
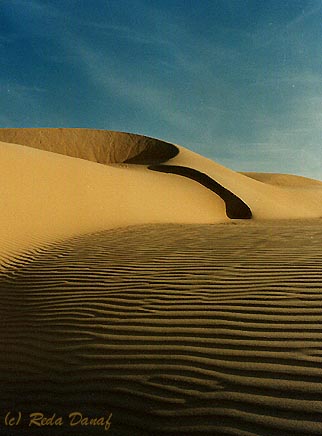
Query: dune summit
{"points": [[58, 183], [101, 146]]}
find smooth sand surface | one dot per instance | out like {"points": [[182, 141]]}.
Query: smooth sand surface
{"points": [[286, 180], [127, 287]]}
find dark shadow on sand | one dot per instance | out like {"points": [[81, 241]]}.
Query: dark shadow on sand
{"points": [[235, 207], [154, 153]]}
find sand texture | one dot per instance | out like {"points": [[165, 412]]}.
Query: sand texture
{"points": [[142, 280], [175, 329]]}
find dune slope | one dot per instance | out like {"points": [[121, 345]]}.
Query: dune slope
{"points": [[235, 207], [285, 180]]}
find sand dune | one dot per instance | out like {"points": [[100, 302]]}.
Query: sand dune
{"points": [[235, 207], [286, 180], [129, 287], [48, 194], [101, 146]]}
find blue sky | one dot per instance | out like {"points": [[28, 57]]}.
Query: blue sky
{"points": [[238, 81]]}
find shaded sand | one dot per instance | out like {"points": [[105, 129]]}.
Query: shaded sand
{"points": [[102, 146], [58, 183], [175, 329]]}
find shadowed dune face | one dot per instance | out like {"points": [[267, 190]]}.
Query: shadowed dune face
{"points": [[154, 153], [235, 207], [101, 146]]}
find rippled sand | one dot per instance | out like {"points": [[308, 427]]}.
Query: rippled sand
{"points": [[174, 329]]}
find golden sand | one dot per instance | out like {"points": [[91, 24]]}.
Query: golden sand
{"points": [[132, 302], [57, 183]]}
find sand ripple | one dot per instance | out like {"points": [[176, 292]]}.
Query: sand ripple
{"points": [[175, 329]]}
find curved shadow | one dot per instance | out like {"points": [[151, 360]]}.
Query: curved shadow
{"points": [[101, 146], [235, 207], [155, 152]]}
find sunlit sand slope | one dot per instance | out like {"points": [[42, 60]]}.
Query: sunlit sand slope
{"points": [[57, 183], [285, 180], [46, 196], [175, 329], [266, 201]]}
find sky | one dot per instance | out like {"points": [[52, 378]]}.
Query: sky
{"points": [[238, 81]]}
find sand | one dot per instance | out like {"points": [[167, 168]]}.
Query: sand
{"points": [[80, 180], [127, 289], [285, 180]]}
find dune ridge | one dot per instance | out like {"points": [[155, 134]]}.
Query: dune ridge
{"points": [[284, 180], [101, 146]]}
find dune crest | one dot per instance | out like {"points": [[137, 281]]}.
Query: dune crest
{"points": [[284, 180], [101, 146]]}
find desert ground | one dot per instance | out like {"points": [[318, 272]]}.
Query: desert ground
{"points": [[150, 291]]}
